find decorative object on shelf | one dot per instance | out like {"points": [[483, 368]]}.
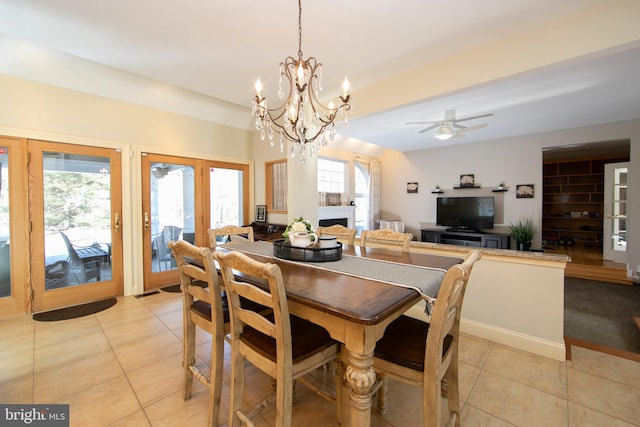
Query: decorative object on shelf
{"points": [[333, 199], [524, 191], [412, 187], [300, 233], [467, 180], [302, 118], [281, 249], [500, 188], [437, 190], [261, 213], [523, 233]]}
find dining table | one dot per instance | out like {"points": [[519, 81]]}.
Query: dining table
{"points": [[354, 298]]}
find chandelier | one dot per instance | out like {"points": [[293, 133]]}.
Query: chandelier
{"points": [[302, 118]]}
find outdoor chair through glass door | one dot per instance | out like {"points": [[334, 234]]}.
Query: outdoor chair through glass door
{"points": [[169, 204], [181, 199], [76, 224]]}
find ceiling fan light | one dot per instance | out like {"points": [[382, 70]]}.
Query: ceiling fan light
{"points": [[444, 132]]}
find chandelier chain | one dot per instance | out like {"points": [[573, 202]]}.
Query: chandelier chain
{"points": [[300, 29]]}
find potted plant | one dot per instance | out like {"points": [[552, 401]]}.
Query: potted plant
{"points": [[523, 233]]}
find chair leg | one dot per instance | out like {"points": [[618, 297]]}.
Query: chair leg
{"points": [[284, 399], [383, 394], [453, 393], [341, 391], [189, 356], [432, 403], [237, 388], [215, 394]]}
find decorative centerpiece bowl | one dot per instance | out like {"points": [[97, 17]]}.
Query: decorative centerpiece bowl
{"points": [[314, 253]]}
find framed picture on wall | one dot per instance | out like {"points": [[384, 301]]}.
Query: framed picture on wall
{"points": [[524, 191], [467, 180], [412, 187], [261, 213]]}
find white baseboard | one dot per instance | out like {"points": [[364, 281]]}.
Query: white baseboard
{"points": [[535, 345]]}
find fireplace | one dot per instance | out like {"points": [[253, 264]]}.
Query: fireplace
{"points": [[333, 221], [337, 215]]}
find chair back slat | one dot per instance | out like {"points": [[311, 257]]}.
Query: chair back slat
{"points": [[385, 237], [344, 234], [228, 231], [275, 299]]}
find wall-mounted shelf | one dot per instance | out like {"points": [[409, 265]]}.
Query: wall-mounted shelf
{"points": [[437, 191], [500, 190], [466, 187]]}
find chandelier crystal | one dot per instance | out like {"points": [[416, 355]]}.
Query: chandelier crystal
{"points": [[302, 118]]}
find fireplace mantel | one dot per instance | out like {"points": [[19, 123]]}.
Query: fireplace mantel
{"points": [[331, 212]]}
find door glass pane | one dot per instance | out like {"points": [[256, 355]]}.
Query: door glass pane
{"points": [[172, 211], [225, 197], [77, 219], [619, 210], [5, 267]]}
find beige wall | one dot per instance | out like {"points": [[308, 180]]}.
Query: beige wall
{"points": [[39, 111], [38, 107]]}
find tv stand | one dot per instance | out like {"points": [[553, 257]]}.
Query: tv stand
{"points": [[466, 238], [460, 230]]}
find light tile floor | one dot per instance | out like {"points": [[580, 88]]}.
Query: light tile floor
{"points": [[122, 367]]}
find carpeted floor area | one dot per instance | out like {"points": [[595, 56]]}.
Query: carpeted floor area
{"points": [[75, 311], [602, 313]]}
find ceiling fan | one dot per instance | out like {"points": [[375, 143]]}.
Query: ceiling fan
{"points": [[449, 126]]}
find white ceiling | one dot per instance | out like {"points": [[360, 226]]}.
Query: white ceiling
{"points": [[218, 49]]}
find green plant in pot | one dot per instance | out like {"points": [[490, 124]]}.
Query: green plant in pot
{"points": [[523, 233]]}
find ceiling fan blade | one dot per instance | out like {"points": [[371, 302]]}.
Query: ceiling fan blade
{"points": [[433, 126], [466, 130], [474, 117], [421, 123], [450, 116]]}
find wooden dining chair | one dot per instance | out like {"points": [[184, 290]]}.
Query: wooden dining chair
{"points": [[344, 234], [385, 237], [202, 307], [283, 346], [426, 354], [227, 231]]}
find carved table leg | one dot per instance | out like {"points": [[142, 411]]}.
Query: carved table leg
{"points": [[361, 378]]}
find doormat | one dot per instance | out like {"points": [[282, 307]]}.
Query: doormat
{"points": [[172, 289], [75, 311]]}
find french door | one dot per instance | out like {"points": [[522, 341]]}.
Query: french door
{"points": [[76, 224], [182, 198], [616, 191], [14, 234]]}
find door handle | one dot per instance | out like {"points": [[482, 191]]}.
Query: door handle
{"points": [[117, 222], [146, 220]]}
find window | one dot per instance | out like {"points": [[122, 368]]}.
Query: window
{"points": [[276, 181], [362, 197], [331, 176]]}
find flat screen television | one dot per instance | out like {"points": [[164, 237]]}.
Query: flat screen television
{"points": [[465, 213]]}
